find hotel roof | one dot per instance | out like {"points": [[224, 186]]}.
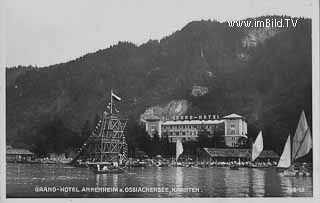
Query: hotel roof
{"points": [[233, 116], [19, 151], [194, 122], [152, 118]]}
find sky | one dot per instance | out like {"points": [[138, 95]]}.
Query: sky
{"points": [[47, 32]]}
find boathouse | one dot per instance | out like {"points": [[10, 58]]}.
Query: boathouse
{"points": [[234, 154], [18, 155], [268, 155]]}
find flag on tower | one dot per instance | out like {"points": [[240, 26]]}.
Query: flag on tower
{"points": [[115, 96], [117, 111]]}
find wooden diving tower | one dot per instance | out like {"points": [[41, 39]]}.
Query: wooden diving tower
{"points": [[107, 142]]}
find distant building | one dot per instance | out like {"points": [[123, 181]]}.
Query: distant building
{"points": [[57, 156], [235, 128], [187, 128], [153, 125], [18, 155]]}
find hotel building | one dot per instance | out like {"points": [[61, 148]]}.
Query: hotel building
{"points": [[187, 128]]}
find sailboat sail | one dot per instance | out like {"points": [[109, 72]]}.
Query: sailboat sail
{"points": [[285, 159], [302, 141], [179, 148], [257, 147]]}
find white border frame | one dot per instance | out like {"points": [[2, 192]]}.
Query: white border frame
{"points": [[315, 130]]}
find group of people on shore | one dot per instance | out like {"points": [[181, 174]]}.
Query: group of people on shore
{"points": [[189, 163]]}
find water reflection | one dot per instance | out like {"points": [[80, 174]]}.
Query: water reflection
{"points": [[213, 182], [179, 177], [115, 179], [286, 184], [98, 180], [258, 182], [158, 177], [296, 186], [272, 182], [101, 180], [236, 182]]}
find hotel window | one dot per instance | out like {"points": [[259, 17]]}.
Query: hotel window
{"points": [[232, 128]]}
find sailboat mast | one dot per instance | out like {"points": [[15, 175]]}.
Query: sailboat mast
{"points": [[291, 147], [251, 147]]}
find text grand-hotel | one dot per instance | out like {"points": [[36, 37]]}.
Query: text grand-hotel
{"points": [[187, 128]]}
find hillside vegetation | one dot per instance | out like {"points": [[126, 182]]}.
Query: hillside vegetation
{"points": [[269, 83]]}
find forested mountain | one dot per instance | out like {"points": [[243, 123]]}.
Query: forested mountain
{"points": [[263, 74]]}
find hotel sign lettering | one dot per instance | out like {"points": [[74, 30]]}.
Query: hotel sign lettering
{"points": [[199, 117]]}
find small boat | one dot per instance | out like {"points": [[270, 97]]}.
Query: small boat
{"points": [[161, 164], [139, 164], [258, 166], [299, 147], [110, 170], [179, 164], [296, 173], [234, 167]]}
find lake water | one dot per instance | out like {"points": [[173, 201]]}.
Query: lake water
{"points": [[54, 180]]}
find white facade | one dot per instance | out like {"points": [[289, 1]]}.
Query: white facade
{"points": [[235, 128], [188, 130], [188, 127]]}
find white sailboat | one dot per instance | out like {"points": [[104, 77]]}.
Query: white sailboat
{"points": [[285, 159], [257, 147], [256, 150], [179, 150], [300, 146]]}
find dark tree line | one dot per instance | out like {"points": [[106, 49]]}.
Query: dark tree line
{"points": [[270, 87]]}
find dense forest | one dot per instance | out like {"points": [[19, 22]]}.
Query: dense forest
{"points": [[263, 74]]}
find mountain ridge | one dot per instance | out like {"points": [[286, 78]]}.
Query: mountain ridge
{"points": [[203, 53]]}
